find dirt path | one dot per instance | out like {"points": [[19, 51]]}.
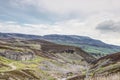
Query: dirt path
{"points": [[12, 66]]}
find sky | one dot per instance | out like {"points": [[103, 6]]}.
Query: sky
{"points": [[98, 19]]}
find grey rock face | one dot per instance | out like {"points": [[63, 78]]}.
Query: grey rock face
{"points": [[17, 55]]}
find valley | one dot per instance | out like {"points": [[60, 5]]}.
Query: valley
{"points": [[59, 39], [40, 59]]}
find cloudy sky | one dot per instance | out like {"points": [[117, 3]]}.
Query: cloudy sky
{"points": [[99, 19]]}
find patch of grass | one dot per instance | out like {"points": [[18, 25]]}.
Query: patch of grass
{"points": [[112, 68], [4, 68], [5, 60], [28, 69]]}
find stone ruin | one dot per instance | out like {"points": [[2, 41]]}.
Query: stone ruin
{"points": [[21, 56]]}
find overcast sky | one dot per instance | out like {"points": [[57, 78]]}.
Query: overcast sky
{"points": [[99, 19]]}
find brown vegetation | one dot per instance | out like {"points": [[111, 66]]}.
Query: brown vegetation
{"points": [[115, 76], [115, 57], [108, 77]]}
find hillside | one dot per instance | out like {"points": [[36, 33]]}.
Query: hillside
{"points": [[92, 46], [86, 43], [107, 64], [51, 61], [45, 60], [105, 68]]}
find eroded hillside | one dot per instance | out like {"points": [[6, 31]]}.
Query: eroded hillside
{"points": [[23, 59], [105, 68]]}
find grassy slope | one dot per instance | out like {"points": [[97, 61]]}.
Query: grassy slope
{"points": [[41, 67], [105, 68], [107, 64], [24, 70]]}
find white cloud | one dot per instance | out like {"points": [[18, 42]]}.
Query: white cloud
{"points": [[109, 27], [72, 6]]}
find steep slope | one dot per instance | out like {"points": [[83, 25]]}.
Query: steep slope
{"points": [[104, 68], [107, 64]]}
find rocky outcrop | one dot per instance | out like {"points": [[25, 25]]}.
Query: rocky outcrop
{"points": [[17, 55]]}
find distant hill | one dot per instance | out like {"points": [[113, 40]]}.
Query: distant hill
{"points": [[16, 35], [86, 43], [92, 46]]}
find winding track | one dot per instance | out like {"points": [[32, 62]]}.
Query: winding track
{"points": [[12, 66]]}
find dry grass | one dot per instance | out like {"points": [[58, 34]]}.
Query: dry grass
{"points": [[115, 76], [109, 77]]}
